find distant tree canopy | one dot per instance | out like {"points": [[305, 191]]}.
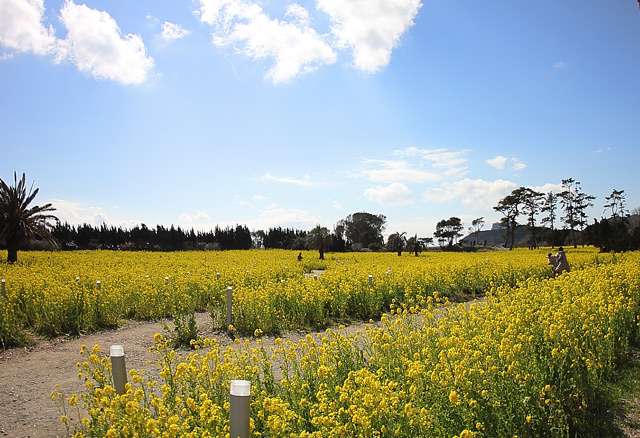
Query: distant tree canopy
{"points": [[448, 231], [143, 238], [524, 200], [613, 235], [364, 230], [621, 231], [510, 206], [476, 227], [396, 242], [284, 238], [319, 239], [574, 202]]}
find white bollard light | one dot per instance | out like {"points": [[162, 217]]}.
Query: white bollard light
{"points": [[4, 293], [118, 368], [370, 280], [239, 408], [98, 285]]}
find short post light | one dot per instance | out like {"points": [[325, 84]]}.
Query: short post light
{"points": [[370, 280], [239, 408], [99, 285], [4, 293], [118, 368]]}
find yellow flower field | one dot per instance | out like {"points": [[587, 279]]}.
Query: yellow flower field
{"points": [[528, 361], [58, 293]]}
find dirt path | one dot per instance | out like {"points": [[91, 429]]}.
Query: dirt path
{"points": [[27, 377]]}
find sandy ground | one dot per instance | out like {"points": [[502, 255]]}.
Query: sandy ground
{"points": [[28, 376]]}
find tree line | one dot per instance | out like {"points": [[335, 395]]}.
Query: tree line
{"points": [[620, 231], [23, 226]]}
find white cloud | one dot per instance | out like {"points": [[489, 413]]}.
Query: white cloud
{"points": [[299, 14], [447, 163], [21, 27], [393, 194], [200, 216], [517, 164], [413, 226], [75, 214], [276, 216], [371, 28], [480, 194], [560, 64], [438, 194], [498, 162], [296, 48], [95, 45], [171, 31], [474, 194], [288, 180], [555, 188], [270, 217], [393, 171], [441, 163]]}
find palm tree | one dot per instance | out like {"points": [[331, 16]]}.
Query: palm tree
{"points": [[396, 242], [319, 238], [18, 221]]}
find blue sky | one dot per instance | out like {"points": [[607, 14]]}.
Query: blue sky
{"points": [[276, 113]]}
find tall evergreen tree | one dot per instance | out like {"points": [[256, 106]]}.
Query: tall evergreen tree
{"points": [[448, 230], [476, 227], [574, 202], [532, 203], [616, 201], [509, 206], [549, 206]]}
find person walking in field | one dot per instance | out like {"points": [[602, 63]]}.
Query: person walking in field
{"points": [[562, 265]]}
